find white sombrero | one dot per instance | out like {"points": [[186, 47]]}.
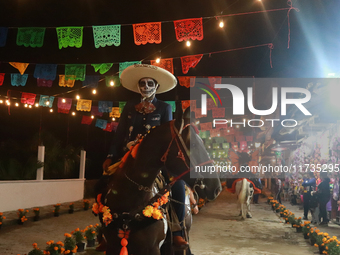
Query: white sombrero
{"points": [[132, 74]]}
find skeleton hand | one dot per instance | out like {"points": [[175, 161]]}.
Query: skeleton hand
{"points": [[195, 209], [130, 144]]}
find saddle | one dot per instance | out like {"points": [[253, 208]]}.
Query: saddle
{"points": [[232, 182]]}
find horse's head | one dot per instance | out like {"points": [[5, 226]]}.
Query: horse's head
{"points": [[189, 152]]}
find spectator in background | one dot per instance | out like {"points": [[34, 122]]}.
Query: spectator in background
{"points": [[324, 196], [309, 185], [278, 189], [256, 196], [285, 189]]}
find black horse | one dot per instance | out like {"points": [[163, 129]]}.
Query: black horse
{"points": [[130, 187]]}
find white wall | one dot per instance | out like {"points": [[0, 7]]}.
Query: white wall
{"points": [[16, 195]]}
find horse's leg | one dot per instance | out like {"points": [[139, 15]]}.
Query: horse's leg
{"points": [[241, 190], [250, 191], [237, 192]]}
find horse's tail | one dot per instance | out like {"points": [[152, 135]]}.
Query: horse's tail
{"points": [[243, 196]]}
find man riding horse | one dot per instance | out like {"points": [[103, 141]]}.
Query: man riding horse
{"points": [[138, 117]]}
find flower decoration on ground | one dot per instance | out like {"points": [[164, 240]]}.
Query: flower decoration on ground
{"points": [[153, 210], [97, 227], [298, 223], [306, 228], [292, 219], [332, 246], [1, 218], [86, 204], [71, 208], [90, 232], [56, 209], [36, 211], [78, 235], [201, 202], [36, 250], [313, 234], [22, 215], [69, 244], [54, 248]]}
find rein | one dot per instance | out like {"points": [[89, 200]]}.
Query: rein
{"points": [[179, 140]]}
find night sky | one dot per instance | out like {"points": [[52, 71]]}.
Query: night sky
{"points": [[314, 52]]}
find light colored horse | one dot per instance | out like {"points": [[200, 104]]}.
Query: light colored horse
{"points": [[244, 190]]}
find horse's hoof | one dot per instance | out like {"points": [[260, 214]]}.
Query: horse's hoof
{"points": [[249, 216]]}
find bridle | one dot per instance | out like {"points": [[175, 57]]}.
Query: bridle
{"points": [[177, 137]]}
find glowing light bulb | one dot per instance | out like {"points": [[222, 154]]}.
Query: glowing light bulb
{"points": [[47, 102], [188, 43], [158, 60], [94, 91], [221, 24], [36, 105], [1, 101], [78, 97], [112, 83], [16, 104], [92, 117], [8, 103], [51, 110], [26, 105], [73, 113], [63, 100], [113, 119], [30, 106], [237, 126]]}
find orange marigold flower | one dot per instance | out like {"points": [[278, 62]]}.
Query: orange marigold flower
{"points": [[148, 211], [157, 214], [55, 248]]}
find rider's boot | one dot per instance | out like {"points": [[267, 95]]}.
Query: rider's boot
{"points": [[180, 242], [102, 245]]}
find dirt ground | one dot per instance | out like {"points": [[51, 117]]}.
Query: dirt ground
{"points": [[217, 229]]}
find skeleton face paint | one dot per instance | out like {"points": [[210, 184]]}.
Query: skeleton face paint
{"points": [[147, 87]]}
